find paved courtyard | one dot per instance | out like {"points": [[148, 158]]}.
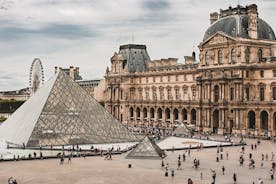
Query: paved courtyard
{"points": [[97, 170]]}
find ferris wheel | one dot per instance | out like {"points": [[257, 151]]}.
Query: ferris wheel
{"points": [[36, 77]]}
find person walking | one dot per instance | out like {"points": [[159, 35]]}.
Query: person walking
{"points": [[235, 178], [271, 174], [190, 181], [227, 154], [214, 176], [260, 181], [223, 169], [184, 157]]}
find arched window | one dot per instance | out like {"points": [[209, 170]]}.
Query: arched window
{"points": [[152, 114], [264, 120], [175, 115], [159, 113], [168, 114], [260, 55], [131, 113], [219, 57], [207, 58], [145, 114], [138, 113], [233, 56], [251, 120], [247, 55]]}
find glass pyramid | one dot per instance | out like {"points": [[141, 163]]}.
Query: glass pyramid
{"points": [[181, 130], [146, 149], [63, 113]]}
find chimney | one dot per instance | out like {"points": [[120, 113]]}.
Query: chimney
{"points": [[252, 21], [56, 69], [213, 17], [71, 72]]}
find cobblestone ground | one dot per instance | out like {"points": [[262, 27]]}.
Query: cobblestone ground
{"points": [[97, 170]]}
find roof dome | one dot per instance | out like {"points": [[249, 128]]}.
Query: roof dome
{"points": [[237, 25]]}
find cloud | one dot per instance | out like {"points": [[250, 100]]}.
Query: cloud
{"points": [[54, 31], [86, 33], [156, 5]]}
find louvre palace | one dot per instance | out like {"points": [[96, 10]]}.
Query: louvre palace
{"points": [[230, 88]]}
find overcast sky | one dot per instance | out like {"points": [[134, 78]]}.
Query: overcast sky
{"points": [[86, 33]]}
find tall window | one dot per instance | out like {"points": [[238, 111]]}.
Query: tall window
{"points": [[262, 73], [161, 91], [231, 94], [207, 58], [169, 90], [216, 93], [274, 73], [193, 93], [176, 78], [247, 55], [141, 94], [219, 57], [246, 73], [260, 55], [233, 56], [247, 93], [154, 95], [262, 93], [147, 94], [273, 93], [177, 94], [185, 93], [161, 79]]}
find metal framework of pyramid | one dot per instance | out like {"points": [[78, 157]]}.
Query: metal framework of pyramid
{"points": [[181, 130], [62, 113], [146, 149]]}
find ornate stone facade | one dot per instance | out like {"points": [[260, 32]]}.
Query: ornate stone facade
{"points": [[232, 88]]}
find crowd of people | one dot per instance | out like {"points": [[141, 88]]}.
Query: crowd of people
{"points": [[246, 154]]}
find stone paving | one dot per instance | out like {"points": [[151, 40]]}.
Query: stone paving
{"points": [[100, 171]]}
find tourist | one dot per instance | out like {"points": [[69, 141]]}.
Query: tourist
{"points": [[14, 182], [271, 174], [213, 175], [190, 181], [223, 169], [221, 155], [227, 154], [266, 157], [162, 164], [235, 178], [260, 181], [184, 157], [10, 180], [272, 156], [201, 176], [178, 165], [69, 159], [61, 160], [84, 154], [34, 155], [172, 173], [41, 156]]}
